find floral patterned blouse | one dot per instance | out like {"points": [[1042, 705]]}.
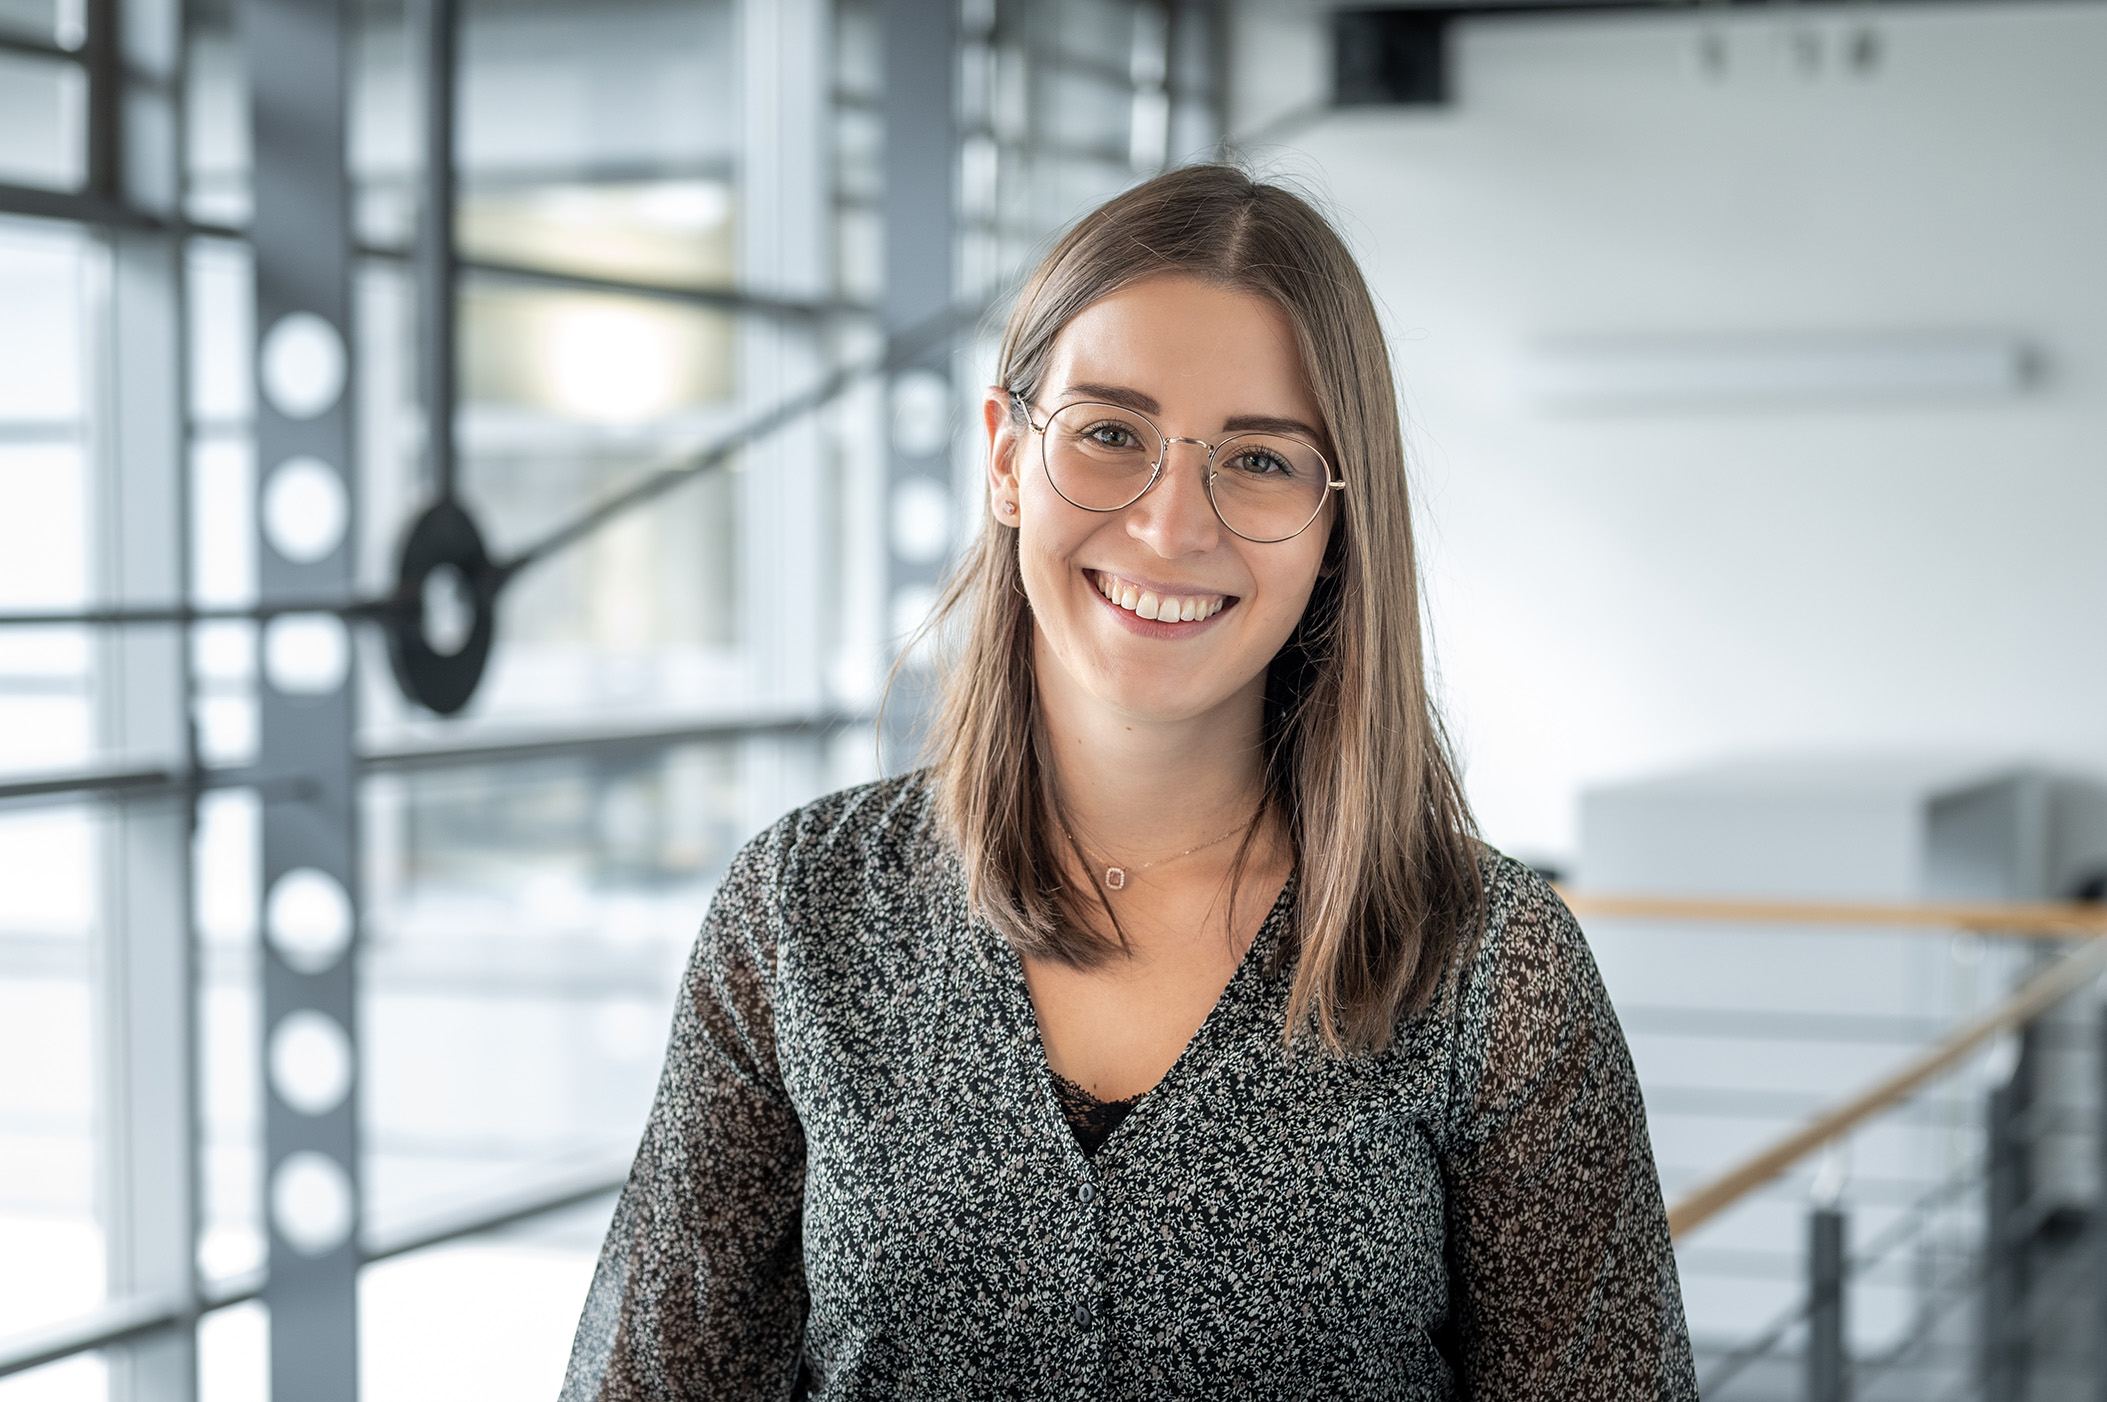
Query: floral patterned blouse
{"points": [[857, 1181]]}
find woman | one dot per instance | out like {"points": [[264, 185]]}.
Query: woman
{"points": [[1171, 1035]]}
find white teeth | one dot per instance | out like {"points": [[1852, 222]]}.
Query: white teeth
{"points": [[1166, 608]]}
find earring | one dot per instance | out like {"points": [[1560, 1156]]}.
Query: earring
{"points": [[1009, 508]]}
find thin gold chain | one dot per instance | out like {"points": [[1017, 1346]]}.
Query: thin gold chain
{"points": [[1115, 877]]}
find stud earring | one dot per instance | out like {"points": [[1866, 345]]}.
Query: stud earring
{"points": [[1009, 508]]}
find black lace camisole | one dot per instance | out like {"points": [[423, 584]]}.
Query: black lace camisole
{"points": [[1093, 1120]]}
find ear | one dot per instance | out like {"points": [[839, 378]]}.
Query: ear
{"points": [[1005, 452]]}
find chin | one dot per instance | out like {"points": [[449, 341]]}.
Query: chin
{"points": [[1160, 699]]}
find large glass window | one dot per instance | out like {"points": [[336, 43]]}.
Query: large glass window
{"points": [[668, 220], [49, 1207], [52, 1213], [46, 279]]}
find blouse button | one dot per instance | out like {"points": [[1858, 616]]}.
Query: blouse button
{"points": [[1082, 1316], [1086, 1193]]}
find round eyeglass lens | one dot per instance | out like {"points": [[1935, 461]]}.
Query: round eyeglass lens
{"points": [[1100, 457], [1266, 487]]}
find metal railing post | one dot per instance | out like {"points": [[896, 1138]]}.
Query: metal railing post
{"points": [[2099, 1215], [2004, 1244], [1827, 1360]]}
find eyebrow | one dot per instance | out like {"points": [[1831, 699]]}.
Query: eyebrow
{"points": [[1143, 403], [1267, 423], [1114, 394]]}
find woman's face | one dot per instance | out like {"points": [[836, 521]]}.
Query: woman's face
{"points": [[1202, 362]]}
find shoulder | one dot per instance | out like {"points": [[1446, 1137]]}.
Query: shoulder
{"points": [[1527, 997], [884, 825], [1529, 937], [865, 859]]}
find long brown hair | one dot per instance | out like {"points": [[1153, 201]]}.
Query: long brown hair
{"points": [[1357, 768]]}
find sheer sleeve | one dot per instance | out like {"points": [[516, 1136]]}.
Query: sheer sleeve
{"points": [[700, 1288], [1563, 1281]]}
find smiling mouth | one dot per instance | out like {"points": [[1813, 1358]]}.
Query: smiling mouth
{"points": [[1164, 608]]}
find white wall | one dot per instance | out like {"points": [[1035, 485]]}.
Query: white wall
{"points": [[1619, 592]]}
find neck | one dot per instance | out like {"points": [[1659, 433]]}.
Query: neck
{"points": [[1142, 787]]}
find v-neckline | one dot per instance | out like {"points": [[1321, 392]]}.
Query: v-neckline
{"points": [[1040, 1069]]}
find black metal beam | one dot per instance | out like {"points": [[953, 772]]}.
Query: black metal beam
{"points": [[74, 206], [135, 784], [130, 785], [101, 211], [35, 48], [108, 783], [596, 1182], [116, 1323], [607, 744], [437, 260], [101, 56], [186, 613], [125, 1320], [716, 299]]}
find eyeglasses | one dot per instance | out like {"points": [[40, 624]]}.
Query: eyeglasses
{"points": [[1265, 487]]}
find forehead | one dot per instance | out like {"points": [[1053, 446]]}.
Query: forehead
{"points": [[1197, 348]]}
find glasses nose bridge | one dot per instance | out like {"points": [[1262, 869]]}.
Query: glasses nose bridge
{"points": [[1163, 458], [1163, 472]]}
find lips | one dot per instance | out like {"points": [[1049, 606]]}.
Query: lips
{"points": [[1159, 605]]}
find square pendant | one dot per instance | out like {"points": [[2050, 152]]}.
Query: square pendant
{"points": [[1115, 878]]}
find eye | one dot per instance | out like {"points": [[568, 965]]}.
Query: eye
{"points": [[1113, 434], [1255, 461]]}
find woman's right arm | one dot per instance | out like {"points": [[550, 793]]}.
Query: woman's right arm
{"points": [[700, 1289]]}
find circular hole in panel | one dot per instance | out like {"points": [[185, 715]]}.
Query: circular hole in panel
{"points": [[310, 1062], [921, 520], [230, 1250], [449, 610], [306, 654], [308, 918], [303, 365], [304, 510], [921, 413], [311, 1203]]}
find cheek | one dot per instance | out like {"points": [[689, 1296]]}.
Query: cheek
{"points": [[1050, 531], [1044, 552], [1287, 579]]}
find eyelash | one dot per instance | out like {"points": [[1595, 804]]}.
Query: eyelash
{"points": [[1114, 424], [1273, 460]]}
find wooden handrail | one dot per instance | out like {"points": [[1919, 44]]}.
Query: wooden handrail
{"points": [[2028, 920], [2036, 996]]}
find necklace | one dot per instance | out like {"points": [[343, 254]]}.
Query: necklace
{"points": [[1115, 877]]}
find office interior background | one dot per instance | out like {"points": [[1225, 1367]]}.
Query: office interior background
{"points": [[365, 769]]}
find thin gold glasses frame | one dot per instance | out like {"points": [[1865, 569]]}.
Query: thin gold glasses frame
{"points": [[1163, 454]]}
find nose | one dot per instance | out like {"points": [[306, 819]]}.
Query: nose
{"points": [[1175, 518]]}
